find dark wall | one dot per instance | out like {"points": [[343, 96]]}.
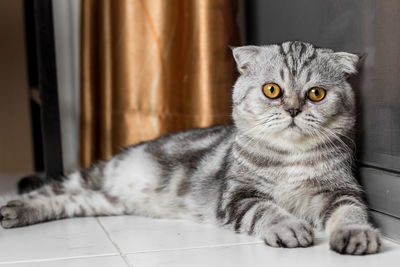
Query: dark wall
{"points": [[335, 24]]}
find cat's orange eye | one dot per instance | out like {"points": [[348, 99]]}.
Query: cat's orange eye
{"points": [[316, 94], [272, 90]]}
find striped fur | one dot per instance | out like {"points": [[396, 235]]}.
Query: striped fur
{"points": [[261, 176]]}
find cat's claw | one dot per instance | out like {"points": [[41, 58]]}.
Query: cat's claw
{"points": [[291, 233], [355, 240]]}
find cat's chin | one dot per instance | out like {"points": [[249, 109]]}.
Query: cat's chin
{"points": [[291, 138], [293, 132]]}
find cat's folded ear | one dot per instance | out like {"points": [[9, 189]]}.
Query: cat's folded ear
{"points": [[244, 56], [347, 62]]}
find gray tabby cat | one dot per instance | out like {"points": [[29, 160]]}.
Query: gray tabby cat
{"points": [[281, 170]]}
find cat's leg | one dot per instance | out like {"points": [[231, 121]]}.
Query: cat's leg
{"points": [[346, 220], [27, 211], [79, 194], [259, 216]]}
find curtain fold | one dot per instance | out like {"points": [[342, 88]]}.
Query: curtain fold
{"points": [[150, 67]]}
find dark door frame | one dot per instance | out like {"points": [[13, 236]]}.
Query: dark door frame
{"points": [[42, 77]]}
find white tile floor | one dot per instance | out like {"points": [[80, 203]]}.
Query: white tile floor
{"points": [[142, 242]]}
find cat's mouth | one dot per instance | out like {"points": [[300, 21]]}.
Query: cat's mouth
{"points": [[293, 126]]}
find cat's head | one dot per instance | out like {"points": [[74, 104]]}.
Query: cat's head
{"points": [[293, 94]]}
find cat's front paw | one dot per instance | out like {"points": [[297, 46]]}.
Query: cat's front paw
{"points": [[355, 240], [289, 234], [12, 214]]}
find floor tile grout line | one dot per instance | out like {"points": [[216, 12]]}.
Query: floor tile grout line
{"points": [[123, 256], [60, 258], [195, 247]]}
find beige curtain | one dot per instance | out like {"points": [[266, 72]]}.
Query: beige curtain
{"points": [[150, 67]]}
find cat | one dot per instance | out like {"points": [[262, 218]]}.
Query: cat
{"points": [[281, 170]]}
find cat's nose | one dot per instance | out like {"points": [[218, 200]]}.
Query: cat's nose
{"points": [[293, 112]]}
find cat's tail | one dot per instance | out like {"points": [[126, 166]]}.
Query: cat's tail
{"points": [[25, 185], [29, 183]]}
